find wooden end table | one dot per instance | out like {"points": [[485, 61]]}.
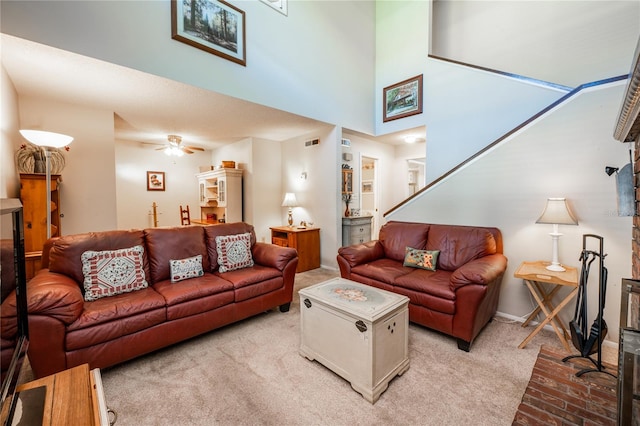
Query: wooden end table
{"points": [[544, 285]]}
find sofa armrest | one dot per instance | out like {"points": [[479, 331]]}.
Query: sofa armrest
{"points": [[362, 253], [484, 271], [54, 295], [272, 255]]}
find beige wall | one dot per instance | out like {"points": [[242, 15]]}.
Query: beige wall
{"points": [[11, 140], [135, 203]]}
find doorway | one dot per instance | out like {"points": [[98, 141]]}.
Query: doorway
{"points": [[370, 193]]}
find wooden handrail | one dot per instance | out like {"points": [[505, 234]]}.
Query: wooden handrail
{"points": [[506, 135]]}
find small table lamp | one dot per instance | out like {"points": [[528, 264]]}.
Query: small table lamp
{"points": [[556, 212], [48, 141], [291, 202]]}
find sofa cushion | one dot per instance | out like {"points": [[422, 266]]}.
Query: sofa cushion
{"points": [[459, 244], [396, 236], [191, 297], [253, 281], [384, 270], [109, 318], [164, 244], [65, 254], [423, 259], [212, 231], [435, 283], [234, 252], [183, 269]]}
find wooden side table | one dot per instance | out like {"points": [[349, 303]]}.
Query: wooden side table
{"points": [[544, 285], [305, 240]]}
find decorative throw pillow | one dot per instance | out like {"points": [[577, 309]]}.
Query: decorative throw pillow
{"points": [[423, 259], [234, 251], [111, 272], [183, 269]]}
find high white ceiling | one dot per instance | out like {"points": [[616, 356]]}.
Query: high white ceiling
{"points": [[147, 108]]}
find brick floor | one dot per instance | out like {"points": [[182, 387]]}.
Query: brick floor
{"points": [[556, 396]]}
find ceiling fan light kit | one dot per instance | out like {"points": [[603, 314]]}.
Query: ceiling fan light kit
{"points": [[176, 148]]}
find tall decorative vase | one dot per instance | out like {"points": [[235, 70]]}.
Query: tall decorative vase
{"points": [[346, 212]]}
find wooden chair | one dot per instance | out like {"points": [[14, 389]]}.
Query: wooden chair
{"points": [[185, 217]]}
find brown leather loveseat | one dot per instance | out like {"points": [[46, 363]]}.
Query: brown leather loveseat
{"points": [[179, 302], [459, 297]]}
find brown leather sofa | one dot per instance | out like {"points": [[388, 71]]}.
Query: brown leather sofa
{"points": [[66, 331], [459, 298]]}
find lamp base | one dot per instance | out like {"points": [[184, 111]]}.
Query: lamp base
{"points": [[290, 218], [556, 267]]}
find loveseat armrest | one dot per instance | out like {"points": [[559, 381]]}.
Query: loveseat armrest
{"points": [[483, 271], [54, 295], [272, 255], [358, 254]]}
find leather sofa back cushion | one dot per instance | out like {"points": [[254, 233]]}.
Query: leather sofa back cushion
{"points": [[65, 254], [213, 231], [459, 244], [166, 244], [397, 236]]}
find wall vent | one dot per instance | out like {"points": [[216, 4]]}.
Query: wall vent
{"points": [[346, 142], [312, 142]]}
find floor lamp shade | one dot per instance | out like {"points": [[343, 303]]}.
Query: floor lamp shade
{"points": [[556, 212], [48, 141]]}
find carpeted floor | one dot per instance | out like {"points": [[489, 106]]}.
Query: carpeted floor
{"points": [[250, 373]]}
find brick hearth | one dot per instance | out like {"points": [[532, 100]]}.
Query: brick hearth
{"points": [[556, 396]]}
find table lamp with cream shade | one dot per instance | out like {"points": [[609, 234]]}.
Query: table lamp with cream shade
{"points": [[48, 141], [291, 202], [556, 212]]}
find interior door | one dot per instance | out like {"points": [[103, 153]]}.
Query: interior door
{"points": [[370, 193]]}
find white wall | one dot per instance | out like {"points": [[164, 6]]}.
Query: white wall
{"points": [[300, 54], [134, 202], [565, 42], [562, 155], [88, 191], [11, 140], [403, 31], [318, 195], [467, 109]]}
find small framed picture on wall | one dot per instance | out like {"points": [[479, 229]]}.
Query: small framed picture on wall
{"points": [[155, 181]]}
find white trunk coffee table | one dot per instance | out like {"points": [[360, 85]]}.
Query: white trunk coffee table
{"points": [[358, 331]]}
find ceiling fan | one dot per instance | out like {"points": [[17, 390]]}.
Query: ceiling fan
{"points": [[176, 148]]}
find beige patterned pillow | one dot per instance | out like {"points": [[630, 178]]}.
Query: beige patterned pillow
{"points": [[234, 252], [183, 269], [111, 272]]}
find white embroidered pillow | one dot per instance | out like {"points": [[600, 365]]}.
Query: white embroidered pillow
{"points": [[234, 251], [183, 269], [111, 272]]}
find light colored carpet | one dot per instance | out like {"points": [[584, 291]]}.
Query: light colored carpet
{"points": [[250, 373]]}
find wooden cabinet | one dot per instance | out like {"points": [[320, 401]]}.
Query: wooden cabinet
{"points": [[33, 195], [73, 396], [305, 240], [356, 230], [220, 193]]}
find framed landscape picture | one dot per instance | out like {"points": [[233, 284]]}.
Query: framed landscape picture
{"points": [[155, 181], [402, 99], [214, 26]]}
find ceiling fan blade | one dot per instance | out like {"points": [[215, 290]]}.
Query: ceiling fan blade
{"points": [[187, 150], [161, 148], [195, 148]]}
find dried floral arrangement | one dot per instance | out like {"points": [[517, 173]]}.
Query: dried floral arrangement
{"points": [[31, 158]]}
